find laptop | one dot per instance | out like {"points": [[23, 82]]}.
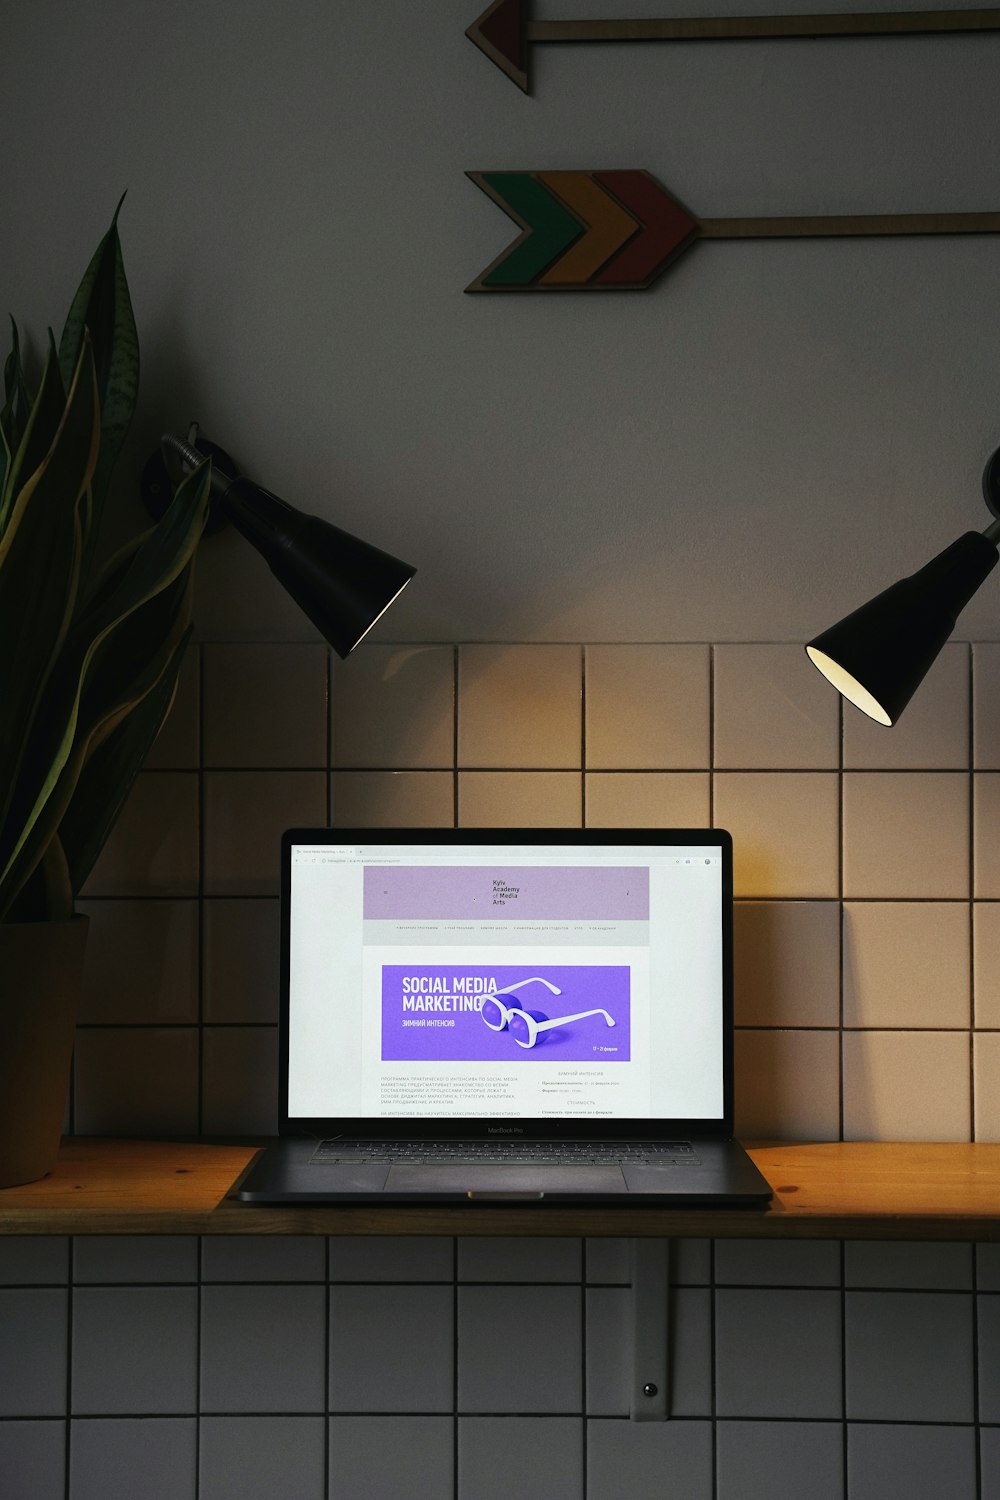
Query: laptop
{"points": [[497, 1016]]}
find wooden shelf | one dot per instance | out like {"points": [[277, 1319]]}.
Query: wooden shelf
{"points": [[830, 1191]]}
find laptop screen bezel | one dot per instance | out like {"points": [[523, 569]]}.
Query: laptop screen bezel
{"points": [[427, 1128]]}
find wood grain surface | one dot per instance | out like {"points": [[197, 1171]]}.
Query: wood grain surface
{"points": [[838, 1190]]}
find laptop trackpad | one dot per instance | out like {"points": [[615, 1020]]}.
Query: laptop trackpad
{"points": [[427, 1178]]}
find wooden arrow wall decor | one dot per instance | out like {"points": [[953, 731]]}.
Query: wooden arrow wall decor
{"points": [[506, 32], [620, 230]]}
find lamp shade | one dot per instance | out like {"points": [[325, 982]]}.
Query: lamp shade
{"points": [[342, 583], [878, 656]]}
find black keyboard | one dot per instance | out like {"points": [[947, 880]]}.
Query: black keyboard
{"points": [[480, 1153]]}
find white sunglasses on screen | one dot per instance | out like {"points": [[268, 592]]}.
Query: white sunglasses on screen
{"points": [[525, 1025]]}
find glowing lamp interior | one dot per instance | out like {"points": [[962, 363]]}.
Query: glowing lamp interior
{"points": [[849, 686]]}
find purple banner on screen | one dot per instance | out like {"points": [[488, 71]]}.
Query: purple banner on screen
{"points": [[488, 1013], [527, 892]]}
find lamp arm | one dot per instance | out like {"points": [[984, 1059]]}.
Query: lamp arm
{"points": [[223, 469], [262, 518]]}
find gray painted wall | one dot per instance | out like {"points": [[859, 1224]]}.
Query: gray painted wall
{"points": [[743, 452]]}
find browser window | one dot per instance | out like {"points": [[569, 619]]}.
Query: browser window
{"points": [[506, 982]]}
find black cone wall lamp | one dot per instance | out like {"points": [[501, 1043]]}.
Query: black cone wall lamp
{"points": [[344, 585], [878, 655]]}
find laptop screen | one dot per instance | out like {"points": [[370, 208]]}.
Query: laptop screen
{"points": [[554, 978]]}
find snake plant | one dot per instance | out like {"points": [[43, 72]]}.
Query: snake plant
{"points": [[90, 653]]}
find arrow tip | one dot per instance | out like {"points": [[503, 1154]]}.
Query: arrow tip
{"points": [[501, 32]]}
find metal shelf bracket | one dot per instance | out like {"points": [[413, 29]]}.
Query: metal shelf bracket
{"points": [[650, 1394]]}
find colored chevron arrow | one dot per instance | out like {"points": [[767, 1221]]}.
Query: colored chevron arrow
{"points": [[583, 229], [619, 230], [505, 30]]}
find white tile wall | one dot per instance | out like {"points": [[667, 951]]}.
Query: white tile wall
{"points": [[392, 1348], [909, 1356], [773, 711], [120, 1458], [922, 1463], [304, 1381], [906, 835], [647, 708], [33, 1456], [648, 799], [265, 707], [778, 1353], [260, 1457], [785, 831], [867, 951], [520, 706], [933, 734], [778, 1460], [263, 1348], [153, 848], [906, 963], [246, 813], [135, 1350], [393, 799], [856, 859], [906, 1086], [395, 708], [388, 1457]]}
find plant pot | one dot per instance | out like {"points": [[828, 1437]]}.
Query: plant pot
{"points": [[41, 968]]}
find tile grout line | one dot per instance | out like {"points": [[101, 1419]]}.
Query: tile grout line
{"points": [[201, 901], [584, 1413], [972, 900], [683, 769], [454, 1368], [711, 735], [500, 1416], [840, 904], [843, 1367], [328, 1351], [976, 1412], [713, 1367], [68, 1425], [583, 748], [197, 1368]]}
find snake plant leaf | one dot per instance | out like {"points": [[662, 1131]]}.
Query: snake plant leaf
{"points": [[17, 404], [12, 371], [48, 895], [97, 718], [122, 676], [111, 769], [38, 434], [103, 307], [114, 655], [40, 556]]}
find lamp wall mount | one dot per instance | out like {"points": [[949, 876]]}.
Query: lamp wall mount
{"points": [[164, 469]]}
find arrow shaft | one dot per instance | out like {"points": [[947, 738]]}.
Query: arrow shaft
{"points": [[850, 224], [738, 28]]}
